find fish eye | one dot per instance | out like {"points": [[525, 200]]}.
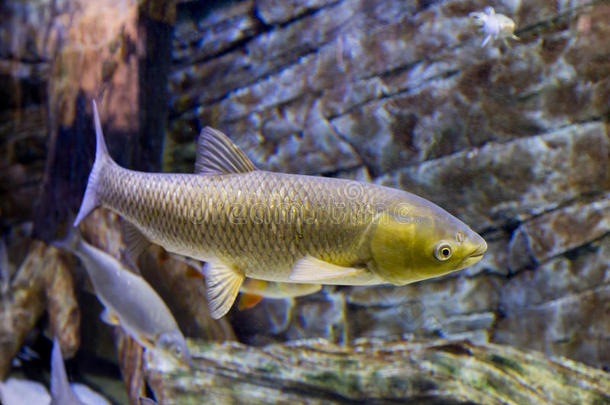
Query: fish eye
{"points": [[443, 251]]}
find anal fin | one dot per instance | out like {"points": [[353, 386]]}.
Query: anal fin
{"points": [[192, 273], [248, 301], [310, 269], [135, 242], [222, 286]]}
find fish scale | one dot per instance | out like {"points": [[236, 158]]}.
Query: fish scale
{"points": [[260, 195]]}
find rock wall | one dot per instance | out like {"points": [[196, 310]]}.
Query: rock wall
{"points": [[512, 138]]}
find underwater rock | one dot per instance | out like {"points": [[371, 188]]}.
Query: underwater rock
{"points": [[42, 277], [561, 308], [278, 12], [21, 312], [452, 307], [412, 72], [216, 31], [131, 361], [558, 232], [62, 306], [377, 371], [513, 181]]}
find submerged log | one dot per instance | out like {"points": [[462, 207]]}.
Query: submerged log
{"points": [[377, 372]]}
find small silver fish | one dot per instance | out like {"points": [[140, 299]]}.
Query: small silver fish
{"points": [[129, 300], [61, 392], [244, 222], [496, 26], [15, 391]]}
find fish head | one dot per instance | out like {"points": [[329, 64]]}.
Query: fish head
{"points": [[420, 241], [174, 344]]}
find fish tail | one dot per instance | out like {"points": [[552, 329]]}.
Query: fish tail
{"points": [[59, 378], [102, 158]]}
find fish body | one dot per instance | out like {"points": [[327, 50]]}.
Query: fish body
{"points": [[253, 291], [270, 289], [261, 222], [129, 300], [279, 227], [61, 392], [494, 25], [16, 391]]}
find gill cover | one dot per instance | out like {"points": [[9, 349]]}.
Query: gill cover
{"points": [[391, 243]]}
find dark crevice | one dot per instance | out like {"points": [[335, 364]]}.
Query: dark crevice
{"points": [[232, 47], [305, 14], [334, 173], [575, 252], [254, 81], [261, 28]]}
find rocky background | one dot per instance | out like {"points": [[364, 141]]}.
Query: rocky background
{"points": [[512, 138]]}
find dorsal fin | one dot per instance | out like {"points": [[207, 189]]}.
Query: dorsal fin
{"points": [[216, 154]]}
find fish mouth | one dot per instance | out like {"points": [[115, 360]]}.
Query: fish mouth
{"points": [[479, 251], [475, 256]]}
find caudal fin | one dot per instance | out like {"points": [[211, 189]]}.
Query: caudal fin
{"points": [[61, 392], [102, 158]]}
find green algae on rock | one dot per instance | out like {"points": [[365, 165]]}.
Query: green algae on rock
{"points": [[377, 371]]}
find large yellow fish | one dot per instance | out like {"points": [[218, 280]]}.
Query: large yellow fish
{"points": [[244, 222]]}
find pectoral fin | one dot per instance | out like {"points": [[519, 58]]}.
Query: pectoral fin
{"points": [[310, 269], [222, 285]]}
